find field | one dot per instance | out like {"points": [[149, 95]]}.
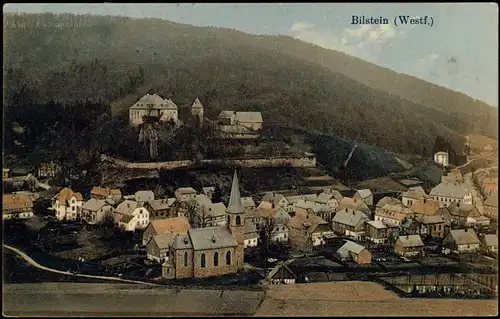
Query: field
{"points": [[361, 299]]}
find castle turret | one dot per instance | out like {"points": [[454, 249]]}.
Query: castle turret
{"points": [[236, 220], [197, 109]]}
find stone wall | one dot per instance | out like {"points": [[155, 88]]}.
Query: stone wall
{"points": [[304, 162]]}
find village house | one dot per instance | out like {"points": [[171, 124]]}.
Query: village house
{"points": [[280, 233], [433, 226], [364, 195], [16, 206], [158, 247], [355, 252], [135, 215], [328, 200], [292, 202], [490, 206], [376, 231], [413, 195], [447, 193], [67, 204], [159, 208], [387, 201], [208, 191], [251, 235], [248, 202], [94, 210], [210, 251], [321, 210], [153, 105], [214, 214], [253, 215], [350, 222], [489, 243], [48, 170], [461, 212], [425, 207], [176, 225], [5, 173], [478, 221], [312, 227], [143, 197], [335, 193], [277, 200], [393, 214], [409, 246], [411, 226], [105, 193], [281, 274], [462, 240], [185, 194], [197, 110], [240, 123], [354, 204]]}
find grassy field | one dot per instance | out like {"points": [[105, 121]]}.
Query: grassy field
{"points": [[361, 299]]}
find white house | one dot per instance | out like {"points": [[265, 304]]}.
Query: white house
{"points": [[67, 204], [135, 216], [442, 158], [447, 193], [277, 200], [251, 235], [481, 221], [490, 243], [153, 105]]}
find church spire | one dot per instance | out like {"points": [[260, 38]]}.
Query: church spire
{"points": [[235, 206]]}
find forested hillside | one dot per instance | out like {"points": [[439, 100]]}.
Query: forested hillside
{"points": [[115, 60]]}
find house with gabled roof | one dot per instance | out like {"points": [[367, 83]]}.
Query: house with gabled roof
{"points": [[393, 214], [376, 231], [105, 193], [251, 235], [365, 195], [158, 247], [94, 210], [143, 197], [281, 274], [433, 226], [425, 207], [134, 215], [185, 194], [275, 199], [412, 195], [350, 222], [248, 202], [315, 228], [409, 246], [354, 204], [67, 204], [462, 240], [208, 191], [16, 206], [490, 206], [355, 252], [447, 193], [240, 124], [159, 208], [489, 243], [387, 200]]}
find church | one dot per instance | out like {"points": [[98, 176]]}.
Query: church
{"points": [[210, 251]]}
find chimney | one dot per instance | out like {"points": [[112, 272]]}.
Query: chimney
{"points": [[185, 240], [353, 212], [466, 230], [213, 239], [425, 200]]}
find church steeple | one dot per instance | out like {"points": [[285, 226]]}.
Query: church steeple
{"points": [[235, 205]]}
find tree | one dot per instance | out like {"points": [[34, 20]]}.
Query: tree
{"points": [[195, 214], [217, 194], [266, 231]]}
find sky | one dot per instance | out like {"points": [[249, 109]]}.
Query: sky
{"points": [[458, 51]]}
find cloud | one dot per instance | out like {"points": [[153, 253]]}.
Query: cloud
{"points": [[366, 41]]}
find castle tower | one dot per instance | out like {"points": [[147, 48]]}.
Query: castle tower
{"points": [[236, 220], [197, 109]]}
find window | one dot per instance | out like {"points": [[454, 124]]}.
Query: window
{"points": [[73, 208], [203, 260], [216, 259], [238, 220], [228, 258]]}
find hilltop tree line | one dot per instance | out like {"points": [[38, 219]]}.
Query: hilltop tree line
{"points": [[115, 61]]}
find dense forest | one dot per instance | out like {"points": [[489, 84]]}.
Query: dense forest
{"points": [[85, 71]]}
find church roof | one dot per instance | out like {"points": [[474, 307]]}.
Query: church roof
{"points": [[235, 205], [211, 238]]}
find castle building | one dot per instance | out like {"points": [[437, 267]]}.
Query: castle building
{"points": [[197, 109], [210, 251], [152, 105]]}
